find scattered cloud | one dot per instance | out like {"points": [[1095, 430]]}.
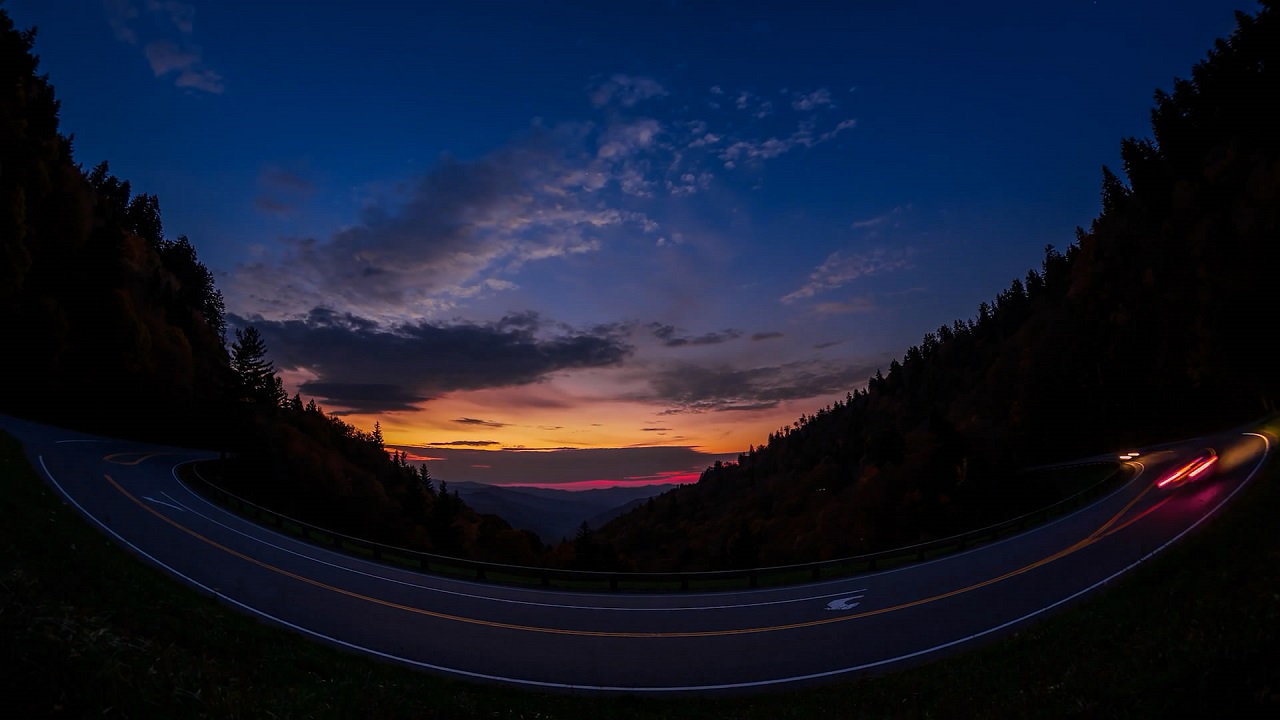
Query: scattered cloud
{"points": [[481, 423], [281, 191], [181, 59], [120, 14], [180, 14], [669, 337], [805, 102], [757, 150], [716, 90], [626, 90], [466, 443], [364, 367], [879, 220], [840, 269], [771, 335], [655, 429]]}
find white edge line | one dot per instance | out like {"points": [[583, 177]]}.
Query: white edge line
{"points": [[686, 688], [161, 502]]}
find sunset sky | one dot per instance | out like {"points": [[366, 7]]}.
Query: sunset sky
{"points": [[554, 242]]}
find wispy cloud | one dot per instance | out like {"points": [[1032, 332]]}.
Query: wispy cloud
{"points": [[626, 90], [166, 56], [861, 304], [476, 422], [805, 102], [757, 150], [281, 190], [770, 335], [464, 229], [840, 269], [879, 220]]}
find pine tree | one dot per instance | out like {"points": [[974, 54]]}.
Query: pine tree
{"points": [[255, 375]]}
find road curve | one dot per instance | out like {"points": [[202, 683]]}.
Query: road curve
{"points": [[635, 643]]}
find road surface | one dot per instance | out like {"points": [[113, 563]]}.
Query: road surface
{"points": [[638, 643]]}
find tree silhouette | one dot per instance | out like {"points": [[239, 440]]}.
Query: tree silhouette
{"points": [[256, 376]]}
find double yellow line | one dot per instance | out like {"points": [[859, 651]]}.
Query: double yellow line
{"points": [[1102, 532]]}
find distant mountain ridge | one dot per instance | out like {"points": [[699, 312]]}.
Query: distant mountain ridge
{"points": [[553, 514]]}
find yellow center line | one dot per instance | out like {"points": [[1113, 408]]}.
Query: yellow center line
{"points": [[1093, 537]]}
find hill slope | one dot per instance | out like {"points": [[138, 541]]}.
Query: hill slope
{"points": [[1149, 325]]}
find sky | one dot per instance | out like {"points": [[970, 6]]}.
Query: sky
{"points": [[579, 244]]}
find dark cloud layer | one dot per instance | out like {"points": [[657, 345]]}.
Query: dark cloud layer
{"points": [[363, 367], [692, 388], [669, 337]]}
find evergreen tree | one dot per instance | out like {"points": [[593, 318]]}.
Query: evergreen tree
{"points": [[255, 375]]}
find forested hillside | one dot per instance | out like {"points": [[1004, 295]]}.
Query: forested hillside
{"points": [[1154, 322], [110, 326]]}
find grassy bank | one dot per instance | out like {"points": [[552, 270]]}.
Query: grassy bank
{"points": [[86, 630]]}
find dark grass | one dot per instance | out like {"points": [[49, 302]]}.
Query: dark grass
{"points": [[88, 631]]}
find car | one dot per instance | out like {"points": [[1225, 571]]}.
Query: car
{"points": [[1198, 469]]}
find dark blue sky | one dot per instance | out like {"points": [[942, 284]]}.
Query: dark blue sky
{"points": [[701, 218]]}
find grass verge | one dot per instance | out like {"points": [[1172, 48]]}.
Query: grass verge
{"points": [[87, 630]]}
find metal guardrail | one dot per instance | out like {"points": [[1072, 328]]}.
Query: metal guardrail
{"points": [[592, 579]]}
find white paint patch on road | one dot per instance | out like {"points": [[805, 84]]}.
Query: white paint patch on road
{"points": [[847, 603]]}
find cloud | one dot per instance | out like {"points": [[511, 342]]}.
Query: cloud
{"points": [[165, 56], [466, 443], [480, 423], [667, 334], [278, 178], [860, 304], [717, 90], [878, 220], [626, 90], [363, 367], [655, 429], [270, 206], [805, 102], [120, 14], [461, 231], [364, 397], [282, 189], [839, 270], [771, 335], [756, 150], [690, 388], [181, 15]]}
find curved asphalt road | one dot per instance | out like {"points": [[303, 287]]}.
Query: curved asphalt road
{"points": [[668, 643]]}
